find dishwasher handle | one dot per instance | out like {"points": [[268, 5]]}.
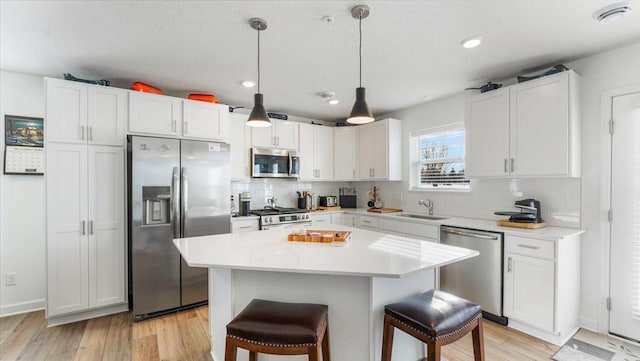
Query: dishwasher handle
{"points": [[460, 232]]}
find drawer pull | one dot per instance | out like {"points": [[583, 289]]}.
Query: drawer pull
{"points": [[527, 246], [365, 221], [245, 227]]}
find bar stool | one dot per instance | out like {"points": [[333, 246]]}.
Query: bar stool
{"points": [[436, 318], [279, 328]]}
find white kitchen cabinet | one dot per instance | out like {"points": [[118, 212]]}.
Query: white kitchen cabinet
{"points": [[350, 220], [316, 152], [427, 232], [85, 227], [541, 293], [337, 218], [240, 140], [204, 120], [319, 219], [239, 225], [345, 153], [281, 134], [155, 114], [368, 222], [531, 129], [84, 114], [379, 145]]}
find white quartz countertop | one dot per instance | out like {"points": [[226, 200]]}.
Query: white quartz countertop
{"points": [[369, 253], [549, 232]]}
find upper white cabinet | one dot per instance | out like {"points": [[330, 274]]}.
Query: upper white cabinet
{"points": [[240, 140], [380, 147], [530, 129], [85, 227], [84, 114], [316, 152], [155, 114], [205, 120], [345, 153], [281, 134]]}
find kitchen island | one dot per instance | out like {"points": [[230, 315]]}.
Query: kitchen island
{"points": [[355, 279]]}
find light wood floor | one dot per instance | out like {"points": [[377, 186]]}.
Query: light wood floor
{"points": [[184, 336]]}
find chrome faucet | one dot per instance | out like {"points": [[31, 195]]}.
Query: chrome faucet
{"points": [[271, 201], [428, 204]]}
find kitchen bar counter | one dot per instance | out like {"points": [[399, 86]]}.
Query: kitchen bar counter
{"points": [[356, 280]]}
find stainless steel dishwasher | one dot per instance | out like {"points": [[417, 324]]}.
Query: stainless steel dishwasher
{"points": [[478, 279]]}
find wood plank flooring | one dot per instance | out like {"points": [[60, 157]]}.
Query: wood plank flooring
{"points": [[184, 336]]}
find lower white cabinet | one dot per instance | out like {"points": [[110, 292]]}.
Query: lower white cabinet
{"points": [[320, 219], [244, 225], [85, 227], [337, 218], [350, 220], [542, 286], [368, 222], [427, 232]]}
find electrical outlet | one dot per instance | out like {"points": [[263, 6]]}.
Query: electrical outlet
{"points": [[10, 279]]}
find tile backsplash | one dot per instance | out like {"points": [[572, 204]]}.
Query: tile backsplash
{"points": [[560, 198]]}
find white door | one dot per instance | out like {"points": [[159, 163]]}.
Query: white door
{"points": [[107, 112], [345, 153], [379, 149], [240, 140], [66, 111], [154, 114], [263, 137], [306, 152], [106, 226], [487, 134], [365, 145], [624, 317], [205, 120], [67, 252], [286, 134], [323, 149]]}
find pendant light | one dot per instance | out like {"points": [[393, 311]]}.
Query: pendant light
{"points": [[258, 116], [360, 114]]}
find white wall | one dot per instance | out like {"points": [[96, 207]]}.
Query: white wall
{"points": [[22, 218]]}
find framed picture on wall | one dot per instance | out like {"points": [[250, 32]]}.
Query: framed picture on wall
{"points": [[23, 131], [24, 137]]}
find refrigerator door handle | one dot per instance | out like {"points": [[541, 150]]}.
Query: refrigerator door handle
{"points": [[175, 214], [184, 188]]}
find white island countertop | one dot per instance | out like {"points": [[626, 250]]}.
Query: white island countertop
{"points": [[369, 254]]}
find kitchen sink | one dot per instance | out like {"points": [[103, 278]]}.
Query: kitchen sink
{"points": [[422, 216]]}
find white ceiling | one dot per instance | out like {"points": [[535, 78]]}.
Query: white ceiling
{"points": [[411, 49]]}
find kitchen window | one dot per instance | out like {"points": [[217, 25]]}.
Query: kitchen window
{"points": [[437, 158]]}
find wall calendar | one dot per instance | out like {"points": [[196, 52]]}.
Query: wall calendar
{"points": [[24, 139]]}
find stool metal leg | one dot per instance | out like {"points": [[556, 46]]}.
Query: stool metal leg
{"points": [[387, 339]]}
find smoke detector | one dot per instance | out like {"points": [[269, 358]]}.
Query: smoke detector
{"points": [[612, 13]]}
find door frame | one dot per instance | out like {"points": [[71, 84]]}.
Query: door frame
{"points": [[606, 109]]}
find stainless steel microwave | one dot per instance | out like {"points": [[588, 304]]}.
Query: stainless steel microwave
{"points": [[274, 163]]}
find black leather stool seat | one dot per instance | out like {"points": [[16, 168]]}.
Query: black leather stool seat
{"points": [[280, 324], [436, 314]]}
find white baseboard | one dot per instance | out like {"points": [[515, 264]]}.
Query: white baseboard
{"points": [[23, 307], [81, 316], [589, 324]]}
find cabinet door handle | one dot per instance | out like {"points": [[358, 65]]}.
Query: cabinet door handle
{"points": [[354, 174], [245, 227], [82, 226], [318, 173], [184, 124], [278, 141], [90, 227], [527, 246], [91, 133], [82, 132], [173, 125], [512, 164], [246, 171], [509, 262], [365, 221], [505, 165]]}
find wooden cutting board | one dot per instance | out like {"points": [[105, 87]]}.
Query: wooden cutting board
{"points": [[384, 210], [521, 225]]}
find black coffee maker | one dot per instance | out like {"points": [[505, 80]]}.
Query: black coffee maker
{"points": [[530, 212]]}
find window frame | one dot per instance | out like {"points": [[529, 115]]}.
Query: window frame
{"points": [[415, 163]]}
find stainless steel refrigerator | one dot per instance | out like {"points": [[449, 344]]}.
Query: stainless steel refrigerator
{"points": [[177, 188]]}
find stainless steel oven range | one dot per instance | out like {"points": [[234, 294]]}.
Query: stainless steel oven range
{"points": [[279, 217]]}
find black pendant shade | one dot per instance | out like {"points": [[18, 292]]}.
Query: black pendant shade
{"points": [[360, 113], [258, 116]]}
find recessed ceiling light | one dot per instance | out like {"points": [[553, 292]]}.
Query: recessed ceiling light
{"points": [[329, 97], [334, 101], [612, 13], [471, 42], [248, 83]]}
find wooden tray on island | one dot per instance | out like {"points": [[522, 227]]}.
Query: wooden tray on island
{"points": [[321, 236]]}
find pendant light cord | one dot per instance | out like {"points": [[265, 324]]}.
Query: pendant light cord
{"points": [[258, 60], [360, 48]]}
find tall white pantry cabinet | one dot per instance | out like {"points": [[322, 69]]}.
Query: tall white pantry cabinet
{"points": [[85, 195]]}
